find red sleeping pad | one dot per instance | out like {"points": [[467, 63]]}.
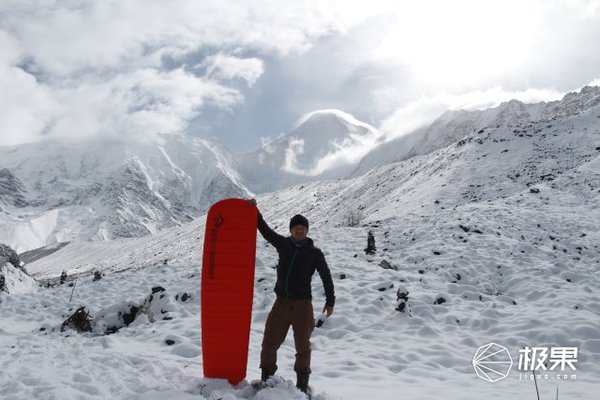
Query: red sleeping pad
{"points": [[227, 287]]}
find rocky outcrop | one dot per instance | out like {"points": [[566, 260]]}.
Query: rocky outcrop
{"points": [[12, 190]]}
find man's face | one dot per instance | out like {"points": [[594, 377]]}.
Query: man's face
{"points": [[299, 232]]}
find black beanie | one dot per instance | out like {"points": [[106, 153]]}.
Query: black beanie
{"points": [[298, 220]]}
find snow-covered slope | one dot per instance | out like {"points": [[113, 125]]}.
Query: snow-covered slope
{"points": [[56, 192], [454, 125], [328, 143], [12, 278], [494, 237]]}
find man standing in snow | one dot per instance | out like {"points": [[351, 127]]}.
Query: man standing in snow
{"points": [[298, 260]]}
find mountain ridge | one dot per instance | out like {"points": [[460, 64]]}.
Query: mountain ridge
{"points": [[452, 126], [53, 191], [538, 165], [44, 201]]}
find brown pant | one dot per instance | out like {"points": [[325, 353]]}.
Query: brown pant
{"points": [[286, 312]]}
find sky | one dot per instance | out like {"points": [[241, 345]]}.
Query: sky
{"points": [[243, 72]]}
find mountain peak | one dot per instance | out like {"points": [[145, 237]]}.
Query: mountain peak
{"points": [[333, 115], [326, 143]]}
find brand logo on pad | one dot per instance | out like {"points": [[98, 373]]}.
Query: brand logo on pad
{"points": [[212, 255]]}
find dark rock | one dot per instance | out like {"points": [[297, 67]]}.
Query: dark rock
{"points": [[129, 317], [80, 321], [439, 300], [402, 294], [386, 265], [371, 249], [7, 254], [183, 298], [401, 299], [12, 190]]}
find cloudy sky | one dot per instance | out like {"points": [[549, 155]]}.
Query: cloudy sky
{"points": [[242, 72]]}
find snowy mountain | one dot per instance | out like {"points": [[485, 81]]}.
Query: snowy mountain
{"points": [[54, 192], [492, 238], [327, 144], [516, 160], [453, 125]]}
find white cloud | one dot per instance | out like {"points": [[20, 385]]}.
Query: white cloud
{"points": [[114, 67], [138, 105], [87, 68], [228, 67], [292, 152], [346, 153], [26, 107], [65, 37]]}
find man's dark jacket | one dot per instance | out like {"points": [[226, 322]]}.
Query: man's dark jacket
{"points": [[296, 266]]}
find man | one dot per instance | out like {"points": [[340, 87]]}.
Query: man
{"points": [[298, 260]]}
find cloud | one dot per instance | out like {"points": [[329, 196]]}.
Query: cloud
{"points": [[223, 66], [292, 152], [85, 68], [141, 67], [345, 154], [26, 107], [135, 106]]}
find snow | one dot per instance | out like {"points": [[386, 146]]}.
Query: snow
{"points": [[494, 237], [366, 349], [15, 281]]}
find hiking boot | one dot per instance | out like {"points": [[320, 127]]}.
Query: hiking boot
{"points": [[302, 382], [265, 374]]}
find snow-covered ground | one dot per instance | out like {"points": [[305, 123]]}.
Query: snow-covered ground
{"points": [[498, 288], [494, 237], [516, 271]]}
